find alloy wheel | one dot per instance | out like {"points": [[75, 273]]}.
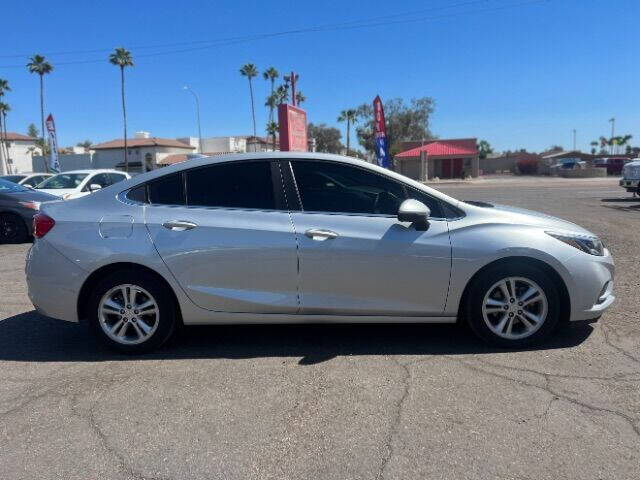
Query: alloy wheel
{"points": [[514, 308], [128, 314]]}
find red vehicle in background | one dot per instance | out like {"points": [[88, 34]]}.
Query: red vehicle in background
{"points": [[612, 164]]}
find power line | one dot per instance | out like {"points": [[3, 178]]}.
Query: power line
{"points": [[344, 26]]}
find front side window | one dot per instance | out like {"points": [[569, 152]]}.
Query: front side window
{"points": [[338, 188], [167, 190], [232, 185]]}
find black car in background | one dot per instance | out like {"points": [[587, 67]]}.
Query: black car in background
{"points": [[18, 205]]}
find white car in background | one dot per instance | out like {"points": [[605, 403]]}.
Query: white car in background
{"points": [[27, 179], [78, 183], [630, 180]]}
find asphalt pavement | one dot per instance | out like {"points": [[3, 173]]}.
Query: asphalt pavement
{"points": [[335, 402]]}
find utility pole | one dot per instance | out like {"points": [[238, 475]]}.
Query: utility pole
{"points": [[613, 123], [574, 139]]}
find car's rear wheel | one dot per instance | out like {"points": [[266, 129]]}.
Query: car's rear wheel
{"points": [[12, 229], [132, 311], [513, 305]]}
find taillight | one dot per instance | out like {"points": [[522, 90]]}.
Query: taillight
{"points": [[42, 224]]}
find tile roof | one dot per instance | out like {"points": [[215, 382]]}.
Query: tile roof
{"points": [[12, 136], [142, 142], [443, 148]]}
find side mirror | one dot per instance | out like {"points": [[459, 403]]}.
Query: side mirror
{"points": [[415, 212], [94, 187]]}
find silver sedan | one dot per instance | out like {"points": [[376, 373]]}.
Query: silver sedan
{"points": [[307, 238]]}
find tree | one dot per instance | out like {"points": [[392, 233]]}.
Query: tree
{"points": [[594, 147], [272, 130], [404, 122], [484, 149], [271, 74], [328, 139], [4, 87], [300, 97], [4, 108], [122, 58], [32, 131], [249, 70], [350, 116], [38, 64], [86, 145]]}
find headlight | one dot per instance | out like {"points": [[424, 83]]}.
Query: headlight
{"points": [[586, 243], [31, 205]]}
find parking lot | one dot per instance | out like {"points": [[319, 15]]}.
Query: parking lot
{"points": [[335, 402]]}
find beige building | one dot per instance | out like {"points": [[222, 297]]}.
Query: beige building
{"points": [[21, 148], [145, 152]]}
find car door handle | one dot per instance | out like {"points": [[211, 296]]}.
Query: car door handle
{"points": [[320, 234], [179, 225]]}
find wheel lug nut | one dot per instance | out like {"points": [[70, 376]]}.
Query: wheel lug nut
{"points": [[135, 311], [506, 307], [121, 312], [126, 320], [519, 304], [133, 320], [128, 306], [512, 300], [511, 314], [519, 312]]}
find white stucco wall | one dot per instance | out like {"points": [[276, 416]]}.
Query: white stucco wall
{"points": [[109, 158], [20, 156]]}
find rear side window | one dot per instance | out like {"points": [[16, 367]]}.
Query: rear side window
{"points": [[168, 190], [138, 194], [232, 185]]}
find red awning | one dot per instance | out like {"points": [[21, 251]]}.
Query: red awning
{"points": [[443, 148]]}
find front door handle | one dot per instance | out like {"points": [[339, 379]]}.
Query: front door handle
{"points": [[320, 234], [179, 225]]}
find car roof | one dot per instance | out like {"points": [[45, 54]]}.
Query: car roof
{"points": [[89, 170]]}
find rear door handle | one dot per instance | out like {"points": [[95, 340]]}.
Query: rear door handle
{"points": [[320, 234], [179, 225]]}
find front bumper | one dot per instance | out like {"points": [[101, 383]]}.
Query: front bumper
{"points": [[591, 288], [629, 185]]}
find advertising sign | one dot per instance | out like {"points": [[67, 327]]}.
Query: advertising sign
{"points": [[380, 134], [293, 128], [54, 164]]}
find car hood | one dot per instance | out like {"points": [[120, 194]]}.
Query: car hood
{"points": [[529, 217], [30, 196]]}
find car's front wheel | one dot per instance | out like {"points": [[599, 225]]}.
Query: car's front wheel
{"points": [[132, 311], [513, 305]]}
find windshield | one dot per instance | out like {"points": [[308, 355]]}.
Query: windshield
{"points": [[13, 178], [10, 187], [63, 180]]}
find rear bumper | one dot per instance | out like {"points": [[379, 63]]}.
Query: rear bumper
{"points": [[53, 282]]}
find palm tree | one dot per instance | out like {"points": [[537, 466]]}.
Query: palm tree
{"points": [[272, 129], [4, 108], [271, 74], [249, 70], [300, 97], [282, 93], [122, 58], [38, 64], [350, 116], [4, 87]]}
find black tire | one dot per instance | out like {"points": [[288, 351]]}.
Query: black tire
{"points": [[162, 295], [481, 285], [13, 229]]}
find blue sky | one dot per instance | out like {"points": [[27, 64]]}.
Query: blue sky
{"points": [[521, 74]]}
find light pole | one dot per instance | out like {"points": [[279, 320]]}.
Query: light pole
{"points": [[186, 87]]}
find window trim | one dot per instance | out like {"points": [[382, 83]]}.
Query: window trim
{"points": [[277, 184], [354, 214]]}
